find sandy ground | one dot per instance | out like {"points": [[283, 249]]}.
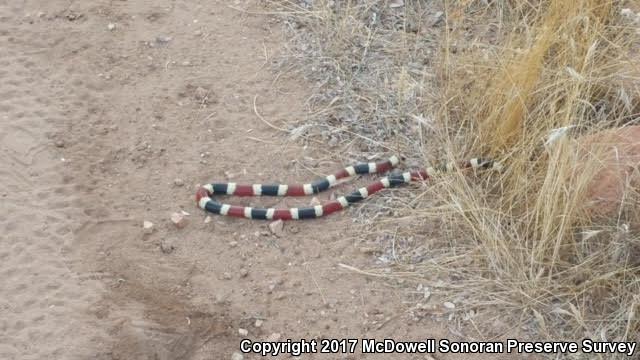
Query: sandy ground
{"points": [[97, 122]]}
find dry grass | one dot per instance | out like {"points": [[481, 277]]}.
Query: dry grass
{"points": [[530, 234], [493, 80]]}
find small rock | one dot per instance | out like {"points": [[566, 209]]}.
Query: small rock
{"points": [[227, 276], [368, 250], [179, 220], [233, 244], [244, 273], [277, 227], [396, 4], [219, 299], [437, 18], [449, 305], [237, 356], [166, 246], [618, 150], [315, 201], [162, 39], [60, 143], [207, 219], [274, 337], [71, 16], [259, 323], [243, 332], [178, 182], [147, 226], [111, 26]]}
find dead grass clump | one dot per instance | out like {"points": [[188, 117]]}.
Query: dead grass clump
{"points": [[372, 66], [529, 229], [496, 79]]}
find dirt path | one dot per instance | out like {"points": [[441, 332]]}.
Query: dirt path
{"points": [[97, 123]]}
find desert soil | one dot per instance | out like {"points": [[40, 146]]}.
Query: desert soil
{"points": [[106, 126]]}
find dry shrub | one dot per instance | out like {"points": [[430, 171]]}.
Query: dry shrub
{"points": [[528, 229], [494, 78]]}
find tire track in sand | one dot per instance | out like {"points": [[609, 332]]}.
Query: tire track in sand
{"points": [[43, 304]]}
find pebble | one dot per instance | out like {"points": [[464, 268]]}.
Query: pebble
{"points": [[449, 305], [179, 220], [227, 276], [111, 26], [368, 250], [219, 299], [178, 182], [626, 12], [233, 244], [60, 143], [147, 226], [207, 219], [237, 356], [71, 16], [162, 39], [244, 272], [396, 4], [437, 18], [259, 323], [243, 332], [277, 227], [166, 246], [315, 201]]}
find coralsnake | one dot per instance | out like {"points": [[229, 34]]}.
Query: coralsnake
{"points": [[205, 193]]}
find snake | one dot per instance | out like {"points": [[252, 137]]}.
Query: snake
{"points": [[206, 202]]}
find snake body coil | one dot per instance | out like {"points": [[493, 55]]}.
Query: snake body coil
{"points": [[204, 200]]}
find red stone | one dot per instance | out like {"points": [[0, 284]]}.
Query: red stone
{"points": [[618, 151]]}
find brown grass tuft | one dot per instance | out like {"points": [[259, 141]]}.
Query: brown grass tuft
{"points": [[530, 229], [493, 80]]}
